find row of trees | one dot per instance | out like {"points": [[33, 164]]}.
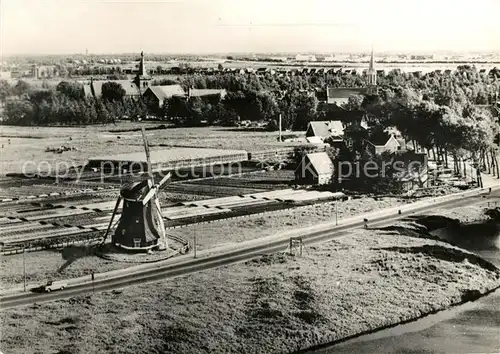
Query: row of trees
{"points": [[447, 124], [67, 105], [265, 97], [261, 98]]}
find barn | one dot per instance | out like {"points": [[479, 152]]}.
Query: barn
{"points": [[379, 144], [340, 96], [155, 95], [94, 88], [325, 129], [315, 169]]}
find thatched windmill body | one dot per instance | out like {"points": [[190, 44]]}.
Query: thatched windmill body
{"points": [[140, 226]]}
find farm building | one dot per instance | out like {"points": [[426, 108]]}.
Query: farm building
{"points": [[157, 94], [44, 71], [339, 96], [325, 129], [94, 88], [379, 145], [168, 159], [315, 169], [206, 92]]}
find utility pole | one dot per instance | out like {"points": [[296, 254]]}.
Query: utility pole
{"points": [[194, 245], [280, 127], [336, 215], [93, 287], [498, 122], [24, 267]]}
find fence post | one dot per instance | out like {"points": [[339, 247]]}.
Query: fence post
{"points": [[24, 267], [194, 245]]}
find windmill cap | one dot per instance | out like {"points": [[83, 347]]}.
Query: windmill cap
{"points": [[134, 190]]}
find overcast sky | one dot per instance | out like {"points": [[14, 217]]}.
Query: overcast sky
{"points": [[197, 26]]}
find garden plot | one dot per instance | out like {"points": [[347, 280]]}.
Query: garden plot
{"points": [[268, 180], [53, 232], [275, 194], [310, 195], [215, 202], [23, 227], [210, 190], [193, 212]]}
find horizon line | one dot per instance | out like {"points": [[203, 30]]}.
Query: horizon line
{"points": [[441, 51]]}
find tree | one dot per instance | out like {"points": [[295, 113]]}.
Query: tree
{"points": [[377, 175], [21, 88], [177, 109], [19, 112], [304, 109], [112, 91], [5, 90], [272, 125], [353, 103], [72, 90]]}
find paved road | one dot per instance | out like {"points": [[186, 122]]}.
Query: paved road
{"points": [[171, 270]]}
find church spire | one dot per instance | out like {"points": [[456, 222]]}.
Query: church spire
{"points": [[372, 62], [372, 75]]}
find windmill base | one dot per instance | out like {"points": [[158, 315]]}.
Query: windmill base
{"points": [[116, 252], [137, 249]]}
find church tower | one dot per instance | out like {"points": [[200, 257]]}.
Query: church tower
{"points": [[141, 78], [142, 68], [372, 76]]}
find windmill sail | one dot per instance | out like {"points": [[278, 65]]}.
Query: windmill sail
{"points": [[148, 157]]}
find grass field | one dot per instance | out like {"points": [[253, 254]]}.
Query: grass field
{"points": [[77, 261], [22, 144], [275, 304], [223, 232]]}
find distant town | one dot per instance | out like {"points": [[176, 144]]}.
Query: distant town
{"points": [[74, 66]]}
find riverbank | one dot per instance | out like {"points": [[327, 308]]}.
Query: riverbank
{"points": [[277, 303]]}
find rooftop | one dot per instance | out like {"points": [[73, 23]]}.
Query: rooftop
{"points": [[207, 92], [325, 128], [129, 86], [339, 95], [175, 157], [167, 91], [321, 162]]}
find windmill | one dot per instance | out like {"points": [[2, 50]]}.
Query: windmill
{"points": [[140, 226]]}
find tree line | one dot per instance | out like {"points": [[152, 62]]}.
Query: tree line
{"points": [[259, 98], [66, 104]]}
